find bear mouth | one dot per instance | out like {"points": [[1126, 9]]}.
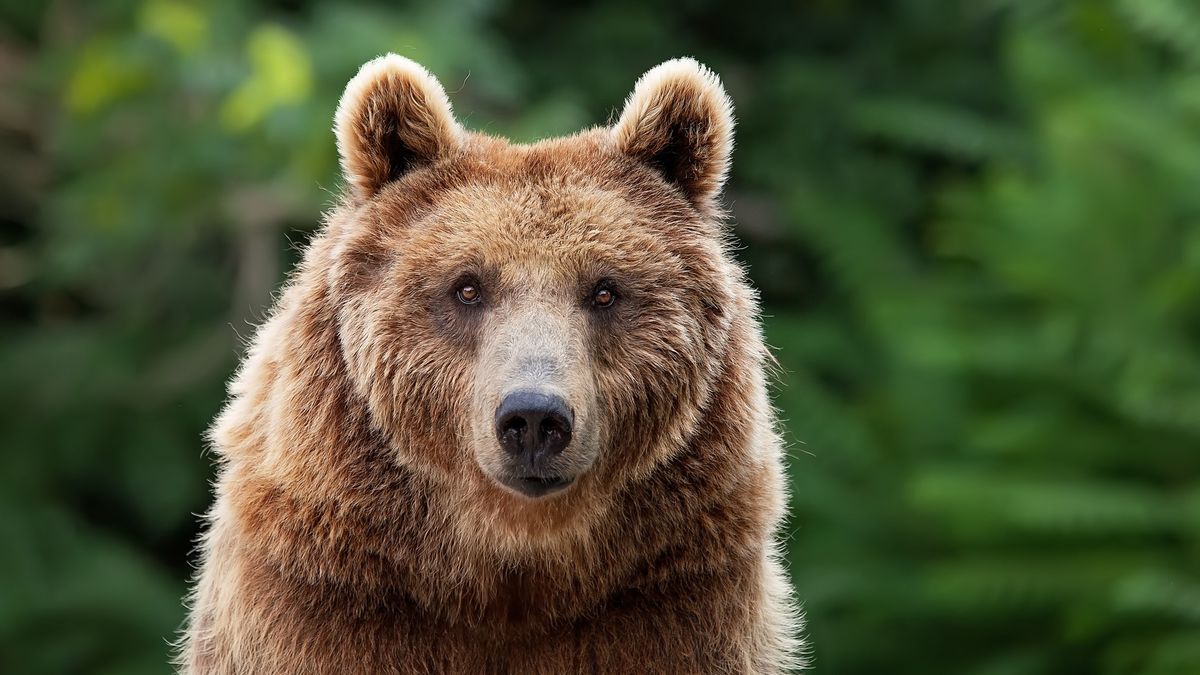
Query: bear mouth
{"points": [[538, 486]]}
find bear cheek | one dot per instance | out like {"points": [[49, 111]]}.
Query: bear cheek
{"points": [[413, 384], [650, 385], [428, 413]]}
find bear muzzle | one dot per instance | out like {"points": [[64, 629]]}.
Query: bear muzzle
{"points": [[534, 427]]}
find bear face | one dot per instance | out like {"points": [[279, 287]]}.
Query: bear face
{"points": [[541, 323]]}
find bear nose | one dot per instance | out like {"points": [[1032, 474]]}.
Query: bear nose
{"points": [[533, 424]]}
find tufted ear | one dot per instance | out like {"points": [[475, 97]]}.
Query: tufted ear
{"points": [[393, 117], [679, 121]]}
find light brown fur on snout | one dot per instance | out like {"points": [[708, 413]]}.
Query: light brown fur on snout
{"points": [[359, 526]]}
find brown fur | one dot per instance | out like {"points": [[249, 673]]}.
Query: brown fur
{"points": [[357, 526]]}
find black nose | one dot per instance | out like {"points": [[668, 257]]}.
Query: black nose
{"points": [[533, 424]]}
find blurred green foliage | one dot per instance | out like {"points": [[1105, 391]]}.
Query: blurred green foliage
{"points": [[976, 227]]}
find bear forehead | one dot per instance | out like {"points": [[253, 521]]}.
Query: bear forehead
{"points": [[514, 220], [563, 199]]}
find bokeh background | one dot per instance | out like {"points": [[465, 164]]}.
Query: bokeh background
{"points": [[976, 227]]}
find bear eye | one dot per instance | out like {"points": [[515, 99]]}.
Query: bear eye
{"points": [[603, 297], [468, 294]]}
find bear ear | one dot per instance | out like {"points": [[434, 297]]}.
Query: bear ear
{"points": [[679, 121], [393, 117]]}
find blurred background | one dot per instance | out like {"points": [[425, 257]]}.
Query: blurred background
{"points": [[976, 227]]}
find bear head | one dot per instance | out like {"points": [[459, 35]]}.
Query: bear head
{"points": [[544, 323]]}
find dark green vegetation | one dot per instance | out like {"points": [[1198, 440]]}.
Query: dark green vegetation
{"points": [[976, 227]]}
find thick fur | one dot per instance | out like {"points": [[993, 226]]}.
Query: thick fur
{"points": [[357, 528]]}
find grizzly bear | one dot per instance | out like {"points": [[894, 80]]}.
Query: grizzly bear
{"points": [[510, 413]]}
